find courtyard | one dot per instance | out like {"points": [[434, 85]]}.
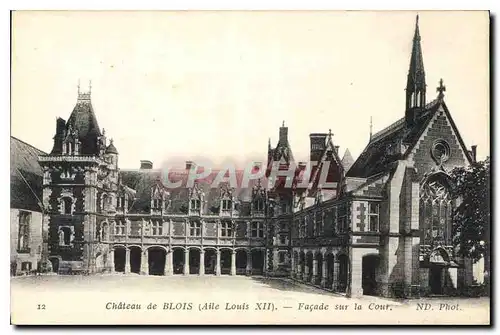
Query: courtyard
{"points": [[134, 299]]}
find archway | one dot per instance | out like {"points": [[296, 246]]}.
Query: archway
{"points": [[119, 259], [241, 262], [257, 261], [343, 272], [135, 259], [210, 261], [156, 260], [225, 261], [178, 261], [55, 264], [309, 264], [319, 268], [370, 264], [330, 261], [194, 261]]}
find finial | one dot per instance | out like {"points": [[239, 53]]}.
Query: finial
{"points": [[110, 141], [417, 19], [283, 123], [90, 86], [103, 131], [78, 86], [330, 132], [441, 88]]}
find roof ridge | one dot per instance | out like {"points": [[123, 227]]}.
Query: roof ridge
{"points": [[387, 129], [26, 143]]}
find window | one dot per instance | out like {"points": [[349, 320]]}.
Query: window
{"points": [[282, 226], [259, 205], [282, 239], [342, 219], [23, 237], [120, 228], [157, 228], [65, 236], [156, 203], [257, 229], [226, 205], [195, 228], [120, 202], [281, 257], [226, 229], [195, 204], [283, 208], [435, 211], [303, 228], [319, 224], [66, 205], [373, 216]]}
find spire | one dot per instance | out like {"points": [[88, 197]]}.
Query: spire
{"points": [[84, 97], [415, 86], [347, 161]]}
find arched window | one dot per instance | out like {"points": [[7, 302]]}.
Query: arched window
{"points": [[435, 210]]}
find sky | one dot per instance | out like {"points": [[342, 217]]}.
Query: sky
{"points": [[175, 86]]}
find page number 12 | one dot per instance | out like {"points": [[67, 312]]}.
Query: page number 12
{"points": [[40, 306]]}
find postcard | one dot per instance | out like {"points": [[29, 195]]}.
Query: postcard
{"points": [[250, 168]]}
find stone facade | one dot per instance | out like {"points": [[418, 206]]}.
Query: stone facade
{"points": [[381, 227]]}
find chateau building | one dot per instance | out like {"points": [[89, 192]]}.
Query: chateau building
{"points": [[377, 225]]}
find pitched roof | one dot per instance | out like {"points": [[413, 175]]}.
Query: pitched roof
{"points": [[384, 148], [26, 175], [111, 149]]}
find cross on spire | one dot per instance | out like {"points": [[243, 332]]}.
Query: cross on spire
{"points": [[441, 88]]}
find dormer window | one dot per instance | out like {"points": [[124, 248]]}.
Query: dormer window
{"points": [[156, 203], [259, 205], [195, 204], [226, 204]]}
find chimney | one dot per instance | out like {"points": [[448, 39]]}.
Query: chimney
{"points": [[318, 145], [189, 165], [146, 165], [474, 153], [283, 134]]}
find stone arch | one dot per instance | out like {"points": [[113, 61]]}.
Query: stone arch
{"points": [[225, 260], [210, 259], [318, 256], [343, 276], [439, 256], [178, 259], [241, 260], [155, 246], [258, 260], [330, 269], [309, 265], [119, 256], [156, 260], [55, 261], [135, 258]]}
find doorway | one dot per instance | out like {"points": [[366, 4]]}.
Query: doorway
{"points": [[436, 279]]}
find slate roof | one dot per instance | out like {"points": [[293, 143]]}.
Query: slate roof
{"points": [[111, 149], [143, 181], [383, 151], [26, 175], [83, 120]]}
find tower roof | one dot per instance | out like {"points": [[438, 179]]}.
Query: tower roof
{"points": [[84, 121], [111, 149], [416, 73], [347, 160]]}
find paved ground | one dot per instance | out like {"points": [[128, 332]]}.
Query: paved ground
{"points": [[194, 299]]}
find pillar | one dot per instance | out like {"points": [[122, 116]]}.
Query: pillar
{"points": [[186, 262], [112, 260], [299, 272], [292, 274], [356, 272], [336, 273], [217, 263], [201, 271], [315, 271], [324, 275], [144, 262], [233, 262], [168, 269], [305, 273], [249, 263], [127, 260]]}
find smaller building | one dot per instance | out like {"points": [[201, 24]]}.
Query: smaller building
{"points": [[26, 177]]}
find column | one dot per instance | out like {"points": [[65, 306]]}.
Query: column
{"points": [[324, 275], [315, 271], [292, 274], [336, 273], [186, 262], [217, 263], [233, 263], [168, 269], [305, 273], [356, 272], [127, 260], [112, 260], [299, 272], [144, 262], [249, 263], [202, 263]]}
